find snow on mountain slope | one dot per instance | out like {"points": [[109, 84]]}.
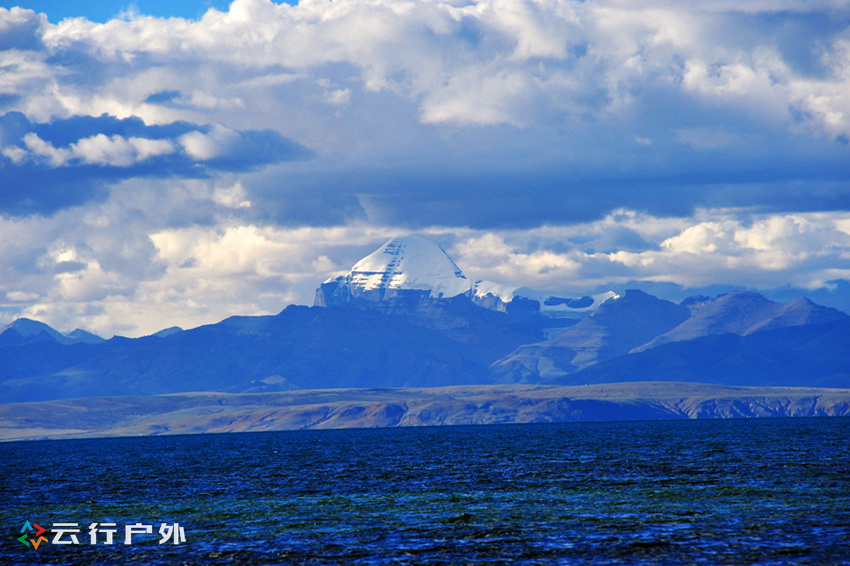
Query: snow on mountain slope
{"points": [[415, 265], [409, 262], [565, 307], [618, 326]]}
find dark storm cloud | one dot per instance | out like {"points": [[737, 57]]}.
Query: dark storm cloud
{"points": [[45, 167], [163, 97], [811, 176], [530, 113]]}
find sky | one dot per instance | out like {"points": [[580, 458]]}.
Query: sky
{"points": [[175, 163]]}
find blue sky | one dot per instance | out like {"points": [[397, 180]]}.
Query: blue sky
{"points": [[175, 163], [104, 10]]}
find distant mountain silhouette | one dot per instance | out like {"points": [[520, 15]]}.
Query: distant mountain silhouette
{"points": [[744, 313], [598, 347], [25, 330], [800, 356], [395, 322], [618, 326], [420, 344]]}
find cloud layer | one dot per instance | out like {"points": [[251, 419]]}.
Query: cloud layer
{"points": [[49, 166], [69, 271], [554, 143]]}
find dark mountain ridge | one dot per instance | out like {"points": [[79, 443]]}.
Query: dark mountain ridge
{"points": [[622, 328], [416, 341], [25, 330], [421, 344], [744, 313], [799, 356], [406, 316], [613, 330]]}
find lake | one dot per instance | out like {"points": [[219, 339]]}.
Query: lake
{"points": [[766, 491]]}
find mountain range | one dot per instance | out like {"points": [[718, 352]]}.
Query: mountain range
{"points": [[406, 316], [24, 330]]}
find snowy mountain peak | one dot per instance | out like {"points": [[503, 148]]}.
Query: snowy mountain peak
{"points": [[414, 266], [409, 262], [406, 265]]}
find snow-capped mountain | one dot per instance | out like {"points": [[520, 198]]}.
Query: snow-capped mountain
{"points": [[416, 266], [741, 339], [418, 321], [408, 263]]}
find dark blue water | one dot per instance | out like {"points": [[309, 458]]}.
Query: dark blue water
{"points": [[772, 491]]}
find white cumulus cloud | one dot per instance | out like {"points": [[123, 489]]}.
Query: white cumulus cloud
{"points": [[560, 144], [219, 142], [491, 61], [115, 151], [118, 151]]}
